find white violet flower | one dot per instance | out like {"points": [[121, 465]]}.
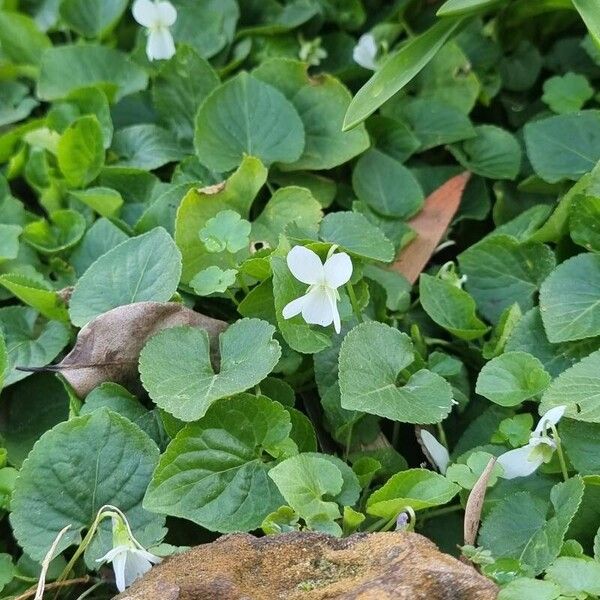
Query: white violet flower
{"points": [[365, 52], [524, 461], [319, 305], [157, 17], [130, 560], [437, 453]]}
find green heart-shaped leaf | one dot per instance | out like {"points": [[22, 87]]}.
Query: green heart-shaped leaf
{"points": [[32, 292], [417, 488], [177, 373], [30, 342], [372, 357], [376, 180], [87, 65], [9, 241], [326, 146], [215, 471], [211, 280], [304, 480], [65, 229], [578, 388], [146, 267], [575, 315], [80, 152], [200, 205], [247, 116], [87, 462], [512, 378], [225, 231], [564, 146], [450, 307], [518, 526], [357, 235]]}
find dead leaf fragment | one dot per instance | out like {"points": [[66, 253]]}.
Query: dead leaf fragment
{"points": [[430, 225], [66, 293], [211, 190], [109, 346], [475, 504]]}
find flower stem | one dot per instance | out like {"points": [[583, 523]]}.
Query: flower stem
{"points": [[354, 302], [239, 275], [437, 342], [232, 297], [409, 32], [559, 451], [81, 548], [104, 513], [243, 284], [348, 442], [90, 591], [375, 526], [25, 578], [442, 434], [390, 523]]}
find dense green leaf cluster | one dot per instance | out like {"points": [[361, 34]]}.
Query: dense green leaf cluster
{"points": [[149, 359]]}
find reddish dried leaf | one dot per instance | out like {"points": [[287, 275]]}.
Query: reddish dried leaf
{"points": [[430, 225]]}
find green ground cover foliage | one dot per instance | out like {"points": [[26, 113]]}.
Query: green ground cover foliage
{"points": [[170, 189]]}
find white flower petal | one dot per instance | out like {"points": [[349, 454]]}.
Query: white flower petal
{"points": [[317, 307], [160, 45], [118, 564], [365, 51], [332, 296], [305, 265], [520, 462], [167, 14], [293, 308], [149, 556], [338, 269], [145, 12], [110, 555], [551, 417], [438, 452], [136, 565]]}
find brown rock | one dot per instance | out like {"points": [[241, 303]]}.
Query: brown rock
{"points": [[311, 566]]}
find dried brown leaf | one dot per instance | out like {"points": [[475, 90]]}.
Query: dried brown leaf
{"points": [[211, 190], [66, 293], [475, 504], [109, 346], [430, 225]]}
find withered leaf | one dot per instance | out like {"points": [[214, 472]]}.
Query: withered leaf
{"points": [[430, 225], [109, 346], [475, 504]]}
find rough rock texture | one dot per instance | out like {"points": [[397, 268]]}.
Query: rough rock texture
{"points": [[310, 566]]}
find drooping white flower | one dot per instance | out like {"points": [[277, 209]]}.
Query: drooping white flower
{"points": [[524, 461], [438, 453], [157, 17], [365, 52], [130, 560], [319, 305]]}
